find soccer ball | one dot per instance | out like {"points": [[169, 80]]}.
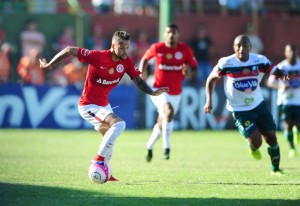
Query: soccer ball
{"points": [[99, 172]]}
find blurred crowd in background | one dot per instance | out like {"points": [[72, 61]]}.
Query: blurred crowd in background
{"points": [[72, 72], [150, 7]]}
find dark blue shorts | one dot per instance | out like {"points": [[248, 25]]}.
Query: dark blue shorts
{"points": [[259, 118]]}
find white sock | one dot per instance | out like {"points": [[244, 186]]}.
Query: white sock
{"points": [[108, 155], [156, 133], [106, 146], [167, 129]]}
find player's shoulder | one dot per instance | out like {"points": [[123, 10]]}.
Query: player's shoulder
{"points": [[258, 58], [227, 61], [183, 45], [283, 63]]}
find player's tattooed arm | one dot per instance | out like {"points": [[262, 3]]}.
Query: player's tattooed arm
{"points": [[142, 85], [66, 52]]}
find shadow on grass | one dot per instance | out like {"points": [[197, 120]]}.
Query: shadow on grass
{"points": [[19, 194]]}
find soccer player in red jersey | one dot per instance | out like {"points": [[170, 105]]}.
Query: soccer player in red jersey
{"points": [[105, 70], [171, 57]]}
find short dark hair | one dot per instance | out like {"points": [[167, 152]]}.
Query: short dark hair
{"points": [[121, 36], [293, 47], [173, 26]]}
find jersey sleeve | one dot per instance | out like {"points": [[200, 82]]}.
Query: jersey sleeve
{"points": [[88, 56], [132, 69], [150, 53], [268, 66], [219, 70], [191, 59]]}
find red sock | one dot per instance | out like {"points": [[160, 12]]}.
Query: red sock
{"points": [[99, 158]]}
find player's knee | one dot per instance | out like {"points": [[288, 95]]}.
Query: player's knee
{"points": [[120, 126], [255, 140], [169, 111]]}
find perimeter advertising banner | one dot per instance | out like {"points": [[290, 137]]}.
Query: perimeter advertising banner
{"points": [[56, 107]]}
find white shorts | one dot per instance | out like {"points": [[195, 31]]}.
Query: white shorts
{"points": [[160, 100], [95, 114]]}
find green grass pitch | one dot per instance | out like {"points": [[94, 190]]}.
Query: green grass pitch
{"points": [[49, 167]]}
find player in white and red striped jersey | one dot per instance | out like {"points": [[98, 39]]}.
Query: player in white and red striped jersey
{"points": [[105, 70], [174, 61], [288, 96], [242, 73]]}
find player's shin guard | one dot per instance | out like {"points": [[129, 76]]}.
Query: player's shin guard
{"points": [[167, 129], [110, 137], [274, 153], [289, 137]]}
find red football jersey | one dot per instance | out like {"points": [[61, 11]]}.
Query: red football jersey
{"points": [[169, 65], [103, 75]]}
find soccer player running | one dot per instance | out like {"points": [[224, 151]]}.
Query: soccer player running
{"points": [[288, 98], [242, 73], [105, 70], [171, 59]]}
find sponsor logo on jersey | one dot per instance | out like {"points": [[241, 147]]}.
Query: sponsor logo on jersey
{"points": [[160, 54], [244, 127], [169, 56], [120, 68], [246, 85], [101, 67], [169, 68], [106, 82], [247, 123], [111, 70], [248, 101], [178, 55], [85, 52]]}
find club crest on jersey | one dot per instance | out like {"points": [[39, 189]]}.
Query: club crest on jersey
{"points": [[255, 70], [111, 70], [169, 56], [246, 85], [178, 55], [120, 68], [85, 52]]}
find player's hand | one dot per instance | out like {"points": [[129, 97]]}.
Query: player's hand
{"points": [[160, 91], [285, 76], [185, 70], [282, 75], [207, 107], [44, 65]]}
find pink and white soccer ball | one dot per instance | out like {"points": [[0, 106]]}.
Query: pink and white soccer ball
{"points": [[99, 172]]}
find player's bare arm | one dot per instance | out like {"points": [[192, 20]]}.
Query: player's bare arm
{"points": [[143, 86], [142, 67], [210, 86], [66, 52], [190, 73]]}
